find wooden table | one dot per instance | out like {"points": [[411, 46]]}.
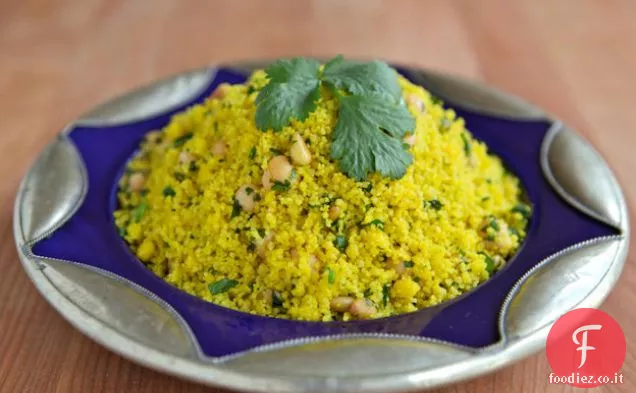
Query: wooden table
{"points": [[576, 58]]}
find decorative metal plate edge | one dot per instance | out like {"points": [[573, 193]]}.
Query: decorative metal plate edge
{"points": [[487, 360]]}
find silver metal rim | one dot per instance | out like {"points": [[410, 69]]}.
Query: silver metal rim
{"points": [[240, 372]]}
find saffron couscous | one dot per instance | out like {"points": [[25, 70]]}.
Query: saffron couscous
{"points": [[269, 215]]}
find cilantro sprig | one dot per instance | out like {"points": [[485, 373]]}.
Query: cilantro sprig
{"points": [[372, 118]]}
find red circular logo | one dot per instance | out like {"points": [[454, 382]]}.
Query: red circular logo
{"points": [[586, 348]]}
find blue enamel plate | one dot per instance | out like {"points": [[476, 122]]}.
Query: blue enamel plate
{"points": [[574, 252]]}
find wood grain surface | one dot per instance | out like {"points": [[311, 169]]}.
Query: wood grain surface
{"points": [[58, 58]]}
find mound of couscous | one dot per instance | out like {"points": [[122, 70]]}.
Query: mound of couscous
{"points": [[267, 222]]}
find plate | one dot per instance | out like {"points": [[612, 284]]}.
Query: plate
{"points": [[574, 252]]}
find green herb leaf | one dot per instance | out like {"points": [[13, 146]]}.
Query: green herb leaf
{"points": [[386, 294], [340, 242], [249, 190], [435, 204], [277, 300], [168, 191], [360, 78], [139, 211], [436, 100], [490, 263], [261, 232], [291, 93], [467, 146], [367, 292], [179, 176], [275, 151], [252, 153], [368, 188], [331, 276], [408, 264], [180, 141], [522, 209], [250, 90], [281, 186], [193, 167], [368, 137], [377, 223], [223, 285], [493, 224], [236, 209]]}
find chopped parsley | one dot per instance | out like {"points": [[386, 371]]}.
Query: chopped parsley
{"points": [[249, 190], [386, 294], [490, 263], [522, 209], [180, 141], [277, 300], [493, 224], [179, 176], [340, 242], [377, 223], [252, 153], [408, 264], [372, 119], [250, 89], [436, 100], [368, 188], [168, 191], [367, 292], [331, 276], [281, 186], [193, 167], [434, 204], [236, 209], [261, 232], [223, 285], [467, 146], [276, 152], [139, 211]]}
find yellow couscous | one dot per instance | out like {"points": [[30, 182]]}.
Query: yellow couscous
{"points": [[266, 223]]}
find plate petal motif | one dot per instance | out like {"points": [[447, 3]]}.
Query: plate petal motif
{"points": [[578, 173]]}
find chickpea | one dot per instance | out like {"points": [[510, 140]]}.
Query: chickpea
{"points": [[362, 309], [153, 136], [267, 296], [299, 152], [245, 197], [410, 139], [221, 91], [263, 244], [334, 212], [186, 157], [341, 303], [313, 262], [136, 182], [266, 180], [397, 266], [416, 101], [279, 168], [219, 149]]}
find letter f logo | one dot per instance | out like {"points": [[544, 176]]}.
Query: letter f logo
{"points": [[583, 344]]}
